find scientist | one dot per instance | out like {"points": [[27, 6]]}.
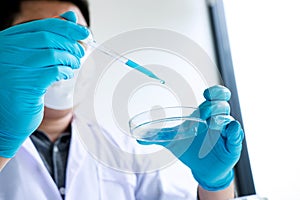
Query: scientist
{"points": [[41, 157]]}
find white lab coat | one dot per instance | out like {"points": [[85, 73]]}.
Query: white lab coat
{"points": [[25, 177]]}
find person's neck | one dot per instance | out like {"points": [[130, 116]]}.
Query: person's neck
{"points": [[55, 122]]}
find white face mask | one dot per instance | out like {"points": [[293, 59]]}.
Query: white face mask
{"points": [[59, 95]]}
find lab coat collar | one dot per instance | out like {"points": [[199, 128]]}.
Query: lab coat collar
{"points": [[76, 149], [76, 154], [29, 147]]}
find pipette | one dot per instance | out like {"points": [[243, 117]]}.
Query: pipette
{"points": [[92, 43]]}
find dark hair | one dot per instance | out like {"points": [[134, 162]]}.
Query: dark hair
{"points": [[10, 8]]}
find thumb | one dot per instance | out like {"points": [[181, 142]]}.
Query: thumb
{"points": [[70, 16], [235, 135]]}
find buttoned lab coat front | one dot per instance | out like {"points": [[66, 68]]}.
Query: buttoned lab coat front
{"points": [[26, 177]]}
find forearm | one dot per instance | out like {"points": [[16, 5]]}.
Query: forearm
{"points": [[225, 194], [3, 162]]}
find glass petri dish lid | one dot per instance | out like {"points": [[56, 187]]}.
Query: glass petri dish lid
{"points": [[167, 124]]}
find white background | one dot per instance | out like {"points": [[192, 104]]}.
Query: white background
{"points": [[188, 17], [265, 41]]}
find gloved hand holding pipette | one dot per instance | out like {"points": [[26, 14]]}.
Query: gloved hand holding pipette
{"points": [[33, 56], [213, 153], [89, 41]]}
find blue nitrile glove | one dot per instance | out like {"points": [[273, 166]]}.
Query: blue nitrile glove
{"points": [[33, 55], [212, 154]]}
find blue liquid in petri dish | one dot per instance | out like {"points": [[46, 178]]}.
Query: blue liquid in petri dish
{"points": [[189, 128]]}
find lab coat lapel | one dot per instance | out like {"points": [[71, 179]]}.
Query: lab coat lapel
{"points": [[76, 154], [28, 149]]}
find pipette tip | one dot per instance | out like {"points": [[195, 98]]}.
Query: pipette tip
{"points": [[162, 81]]}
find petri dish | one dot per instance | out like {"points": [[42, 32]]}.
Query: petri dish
{"points": [[166, 124]]}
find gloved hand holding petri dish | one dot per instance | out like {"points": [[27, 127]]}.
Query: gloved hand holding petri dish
{"points": [[216, 141]]}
